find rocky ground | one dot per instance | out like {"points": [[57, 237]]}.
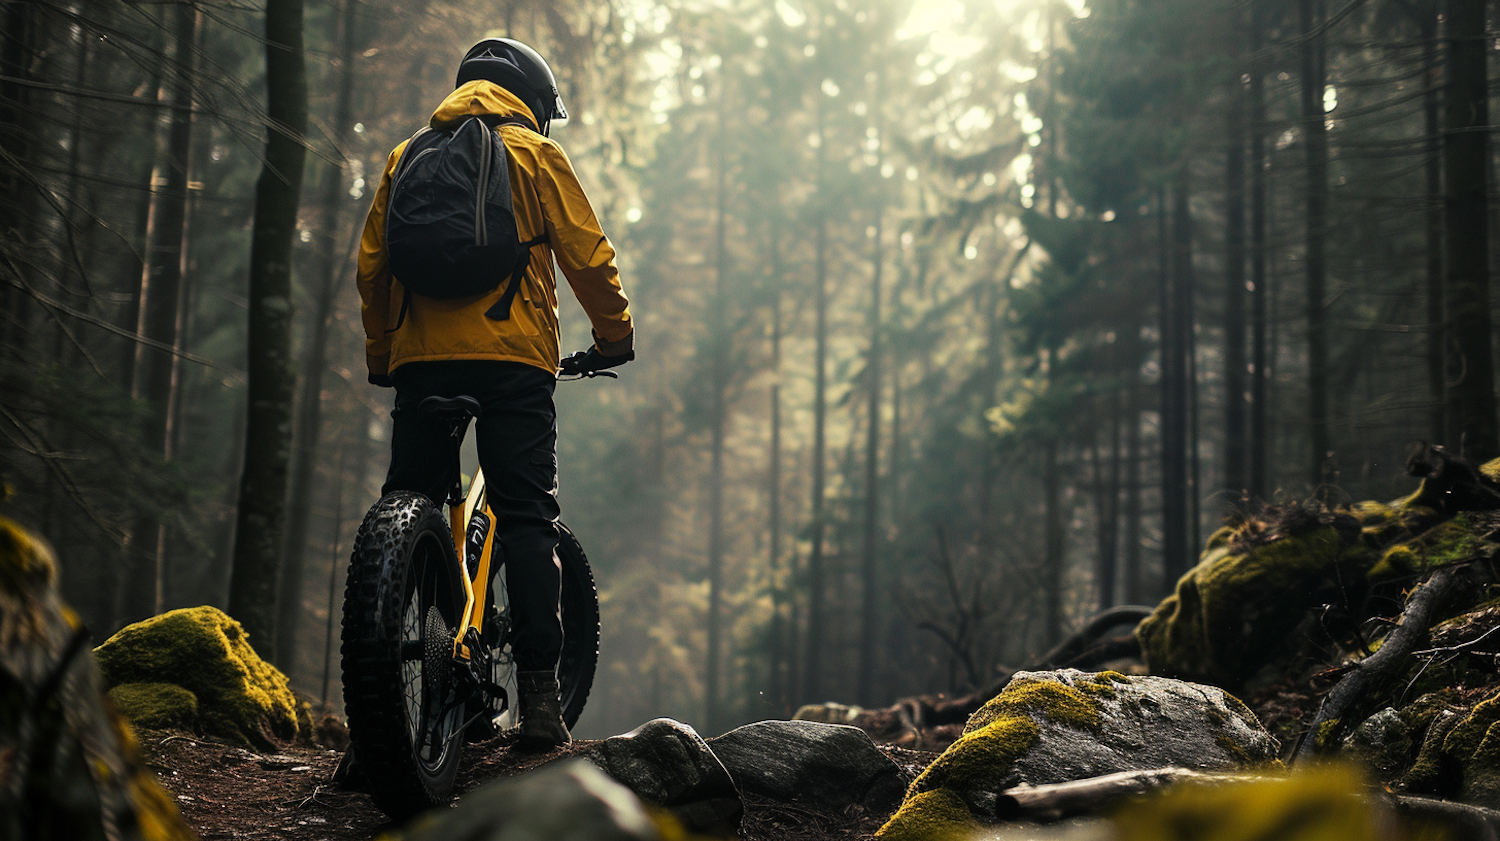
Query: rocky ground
{"points": [[1366, 635], [230, 792]]}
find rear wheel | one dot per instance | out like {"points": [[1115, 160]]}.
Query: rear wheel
{"points": [[580, 651], [402, 605]]}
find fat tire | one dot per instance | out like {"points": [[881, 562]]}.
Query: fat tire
{"points": [[383, 563], [580, 619], [580, 652]]}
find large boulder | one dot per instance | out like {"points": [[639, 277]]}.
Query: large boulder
{"points": [[666, 763], [1054, 727], [1261, 577], [828, 766], [69, 766], [570, 801], [238, 696], [1255, 581]]}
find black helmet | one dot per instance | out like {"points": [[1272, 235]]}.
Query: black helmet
{"points": [[519, 69]]}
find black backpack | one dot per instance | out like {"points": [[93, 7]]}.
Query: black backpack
{"points": [[450, 229]]}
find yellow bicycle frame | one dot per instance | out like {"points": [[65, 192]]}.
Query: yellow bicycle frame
{"points": [[477, 589]]}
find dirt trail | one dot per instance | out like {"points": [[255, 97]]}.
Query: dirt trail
{"points": [[228, 792]]}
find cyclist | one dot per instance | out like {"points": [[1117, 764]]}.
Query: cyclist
{"points": [[507, 361]]}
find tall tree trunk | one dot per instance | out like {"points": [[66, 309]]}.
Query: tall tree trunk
{"points": [[1471, 396], [1260, 433], [1135, 579], [1236, 427], [1106, 489], [781, 631], [870, 587], [18, 44], [1437, 330], [718, 421], [1055, 537], [813, 663], [1174, 390], [331, 247], [160, 316], [260, 527], [1315, 147]]}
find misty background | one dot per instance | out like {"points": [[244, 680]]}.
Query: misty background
{"points": [[956, 321]]}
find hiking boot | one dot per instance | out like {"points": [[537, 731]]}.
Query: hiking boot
{"points": [[542, 726]]}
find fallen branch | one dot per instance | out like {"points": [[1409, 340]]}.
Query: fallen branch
{"points": [[1415, 623], [1454, 649], [1095, 794], [1084, 638], [1103, 651]]}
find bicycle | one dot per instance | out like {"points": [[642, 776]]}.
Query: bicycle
{"points": [[426, 642]]}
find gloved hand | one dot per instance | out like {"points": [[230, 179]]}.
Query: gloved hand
{"points": [[587, 362], [382, 380]]}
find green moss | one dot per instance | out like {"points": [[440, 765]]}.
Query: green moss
{"points": [[240, 696], [1231, 614], [1418, 715], [1401, 559], [1327, 731], [1323, 804], [1491, 470], [156, 705], [1432, 773], [1463, 741], [1221, 538], [26, 566], [985, 754], [1482, 772], [1372, 514], [1234, 749], [930, 816], [1058, 702]]}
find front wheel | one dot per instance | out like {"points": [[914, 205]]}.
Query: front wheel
{"points": [[580, 649], [402, 605]]}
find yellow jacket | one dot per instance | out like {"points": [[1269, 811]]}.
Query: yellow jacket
{"points": [[546, 196]]}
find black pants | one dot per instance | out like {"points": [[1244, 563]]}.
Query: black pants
{"points": [[516, 435]]}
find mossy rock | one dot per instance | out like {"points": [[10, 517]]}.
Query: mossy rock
{"points": [[1052, 727], [1233, 612], [1382, 743], [1436, 715], [156, 706], [1448, 542], [1474, 746], [241, 698], [83, 778]]}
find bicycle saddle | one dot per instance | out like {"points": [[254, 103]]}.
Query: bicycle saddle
{"points": [[462, 406]]}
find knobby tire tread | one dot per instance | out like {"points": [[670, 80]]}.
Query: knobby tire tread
{"points": [[371, 659], [580, 615]]}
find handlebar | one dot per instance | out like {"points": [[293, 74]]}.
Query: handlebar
{"points": [[586, 364]]}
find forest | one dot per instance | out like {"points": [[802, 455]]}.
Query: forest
{"points": [[958, 322]]}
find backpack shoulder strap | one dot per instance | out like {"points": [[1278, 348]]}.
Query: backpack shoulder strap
{"points": [[406, 156], [501, 310]]}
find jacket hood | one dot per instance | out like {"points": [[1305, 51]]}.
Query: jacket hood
{"points": [[479, 98]]}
